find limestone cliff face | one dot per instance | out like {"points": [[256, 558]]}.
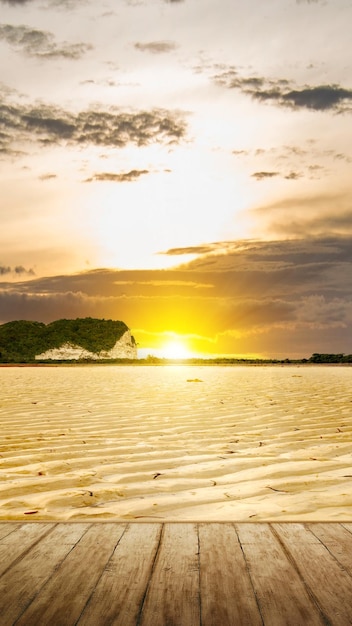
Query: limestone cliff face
{"points": [[124, 348]]}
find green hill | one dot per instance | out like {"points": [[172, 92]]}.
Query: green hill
{"points": [[21, 341]]}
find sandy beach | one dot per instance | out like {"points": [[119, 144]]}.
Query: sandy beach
{"points": [[176, 443]]}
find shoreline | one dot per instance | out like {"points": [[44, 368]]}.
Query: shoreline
{"points": [[185, 362]]}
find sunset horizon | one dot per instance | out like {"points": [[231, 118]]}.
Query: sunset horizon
{"points": [[185, 172]]}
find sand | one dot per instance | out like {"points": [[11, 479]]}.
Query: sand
{"points": [[176, 443]]}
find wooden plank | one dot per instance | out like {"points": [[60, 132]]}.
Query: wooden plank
{"points": [[293, 532], [173, 594], [118, 597], [16, 543], [337, 539], [328, 581], [227, 595], [348, 526], [281, 593], [62, 600], [21, 583], [152, 575], [7, 529]]}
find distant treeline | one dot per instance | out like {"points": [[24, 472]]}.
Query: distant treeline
{"points": [[21, 341], [330, 358], [315, 358]]}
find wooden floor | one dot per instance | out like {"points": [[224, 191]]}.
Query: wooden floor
{"points": [[175, 574]]}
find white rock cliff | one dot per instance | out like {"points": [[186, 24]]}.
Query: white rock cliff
{"points": [[124, 348]]}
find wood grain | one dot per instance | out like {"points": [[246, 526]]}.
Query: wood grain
{"points": [[173, 593], [329, 582], [226, 590], [21, 584], [15, 544], [118, 597], [176, 574], [282, 595], [65, 595]]}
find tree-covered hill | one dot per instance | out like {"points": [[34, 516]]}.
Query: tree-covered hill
{"points": [[21, 341]]}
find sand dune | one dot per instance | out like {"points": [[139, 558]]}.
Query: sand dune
{"points": [[176, 442]]}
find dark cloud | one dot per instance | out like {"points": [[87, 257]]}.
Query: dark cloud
{"points": [[67, 4], [47, 176], [205, 249], [156, 47], [5, 141], [293, 176], [283, 297], [299, 262], [284, 161], [264, 175], [298, 225], [342, 157], [282, 93], [122, 177], [319, 98], [283, 152], [240, 152], [15, 2], [40, 44], [18, 270], [315, 168], [232, 79], [60, 4], [302, 215], [49, 125]]}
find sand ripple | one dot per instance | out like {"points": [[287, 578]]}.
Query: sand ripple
{"points": [[192, 443]]}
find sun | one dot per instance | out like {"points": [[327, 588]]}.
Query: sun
{"points": [[175, 349]]}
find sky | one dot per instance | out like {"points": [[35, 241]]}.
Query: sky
{"points": [[183, 166]]}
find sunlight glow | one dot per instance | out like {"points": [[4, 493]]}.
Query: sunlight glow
{"points": [[175, 349]]}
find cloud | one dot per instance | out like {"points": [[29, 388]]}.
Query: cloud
{"points": [[297, 261], [298, 226], [283, 152], [49, 126], [264, 175], [15, 2], [204, 249], [292, 176], [109, 82], [319, 98], [283, 297], [123, 177], [156, 47], [18, 270], [60, 4], [165, 283], [67, 4], [47, 176], [283, 93], [303, 215], [293, 162], [240, 152], [40, 44]]}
